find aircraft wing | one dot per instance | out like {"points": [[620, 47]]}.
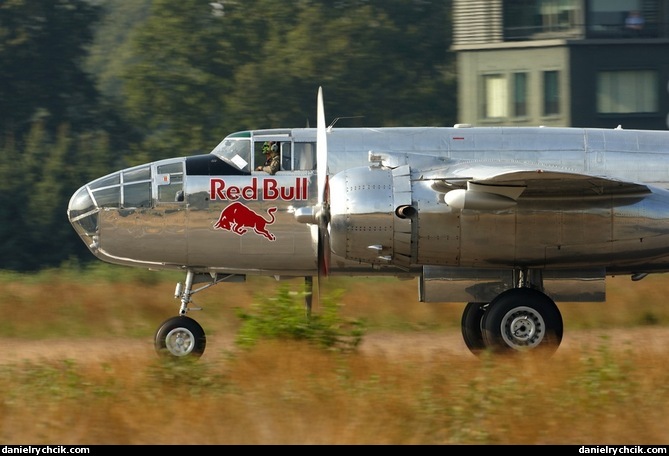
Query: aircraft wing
{"points": [[497, 186]]}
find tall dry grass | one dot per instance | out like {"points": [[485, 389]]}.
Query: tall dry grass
{"points": [[79, 368]]}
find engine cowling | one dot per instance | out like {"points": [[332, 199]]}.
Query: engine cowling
{"points": [[369, 215]]}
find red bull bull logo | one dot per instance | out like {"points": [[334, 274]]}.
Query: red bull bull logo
{"points": [[239, 218]]}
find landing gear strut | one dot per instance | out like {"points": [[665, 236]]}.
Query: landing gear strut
{"points": [[181, 336]]}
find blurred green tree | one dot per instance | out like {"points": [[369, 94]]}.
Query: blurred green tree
{"points": [[200, 71], [49, 112], [43, 43]]}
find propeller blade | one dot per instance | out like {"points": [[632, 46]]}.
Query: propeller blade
{"points": [[323, 189], [321, 148], [323, 251], [309, 294]]}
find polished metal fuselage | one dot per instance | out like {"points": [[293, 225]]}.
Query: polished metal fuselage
{"points": [[387, 189]]}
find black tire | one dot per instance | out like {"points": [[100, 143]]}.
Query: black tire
{"points": [[522, 320], [472, 333], [180, 337]]}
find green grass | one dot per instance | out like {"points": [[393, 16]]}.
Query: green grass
{"points": [[107, 300], [282, 388], [295, 393]]}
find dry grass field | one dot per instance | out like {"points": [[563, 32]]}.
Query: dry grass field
{"points": [[78, 367]]}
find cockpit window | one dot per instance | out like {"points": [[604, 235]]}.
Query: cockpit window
{"points": [[137, 187], [107, 181], [305, 156], [170, 182], [236, 152], [108, 197], [142, 173]]}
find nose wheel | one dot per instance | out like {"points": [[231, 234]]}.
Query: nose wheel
{"points": [[180, 336]]}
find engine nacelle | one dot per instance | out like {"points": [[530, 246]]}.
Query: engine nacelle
{"points": [[368, 215]]}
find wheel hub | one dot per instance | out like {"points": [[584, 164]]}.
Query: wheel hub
{"points": [[522, 328], [180, 341]]}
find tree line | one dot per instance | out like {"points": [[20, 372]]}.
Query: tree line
{"points": [[92, 86]]}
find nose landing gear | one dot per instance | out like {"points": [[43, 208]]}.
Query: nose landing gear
{"points": [[181, 336]]}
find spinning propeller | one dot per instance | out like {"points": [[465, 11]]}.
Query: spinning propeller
{"points": [[319, 214], [323, 207]]}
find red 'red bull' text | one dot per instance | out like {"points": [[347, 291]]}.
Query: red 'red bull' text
{"points": [[270, 190]]}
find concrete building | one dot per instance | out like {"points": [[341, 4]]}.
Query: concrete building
{"points": [[582, 63]]}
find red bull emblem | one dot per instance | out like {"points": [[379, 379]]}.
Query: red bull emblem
{"points": [[238, 218]]}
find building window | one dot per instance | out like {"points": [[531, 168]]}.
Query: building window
{"points": [[551, 93], [623, 18], [525, 19], [627, 91], [520, 19], [495, 96], [520, 94], [559, 14]]}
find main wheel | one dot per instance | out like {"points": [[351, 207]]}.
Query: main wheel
{"points": [[522, 319], [180, 336], [471, 326]]}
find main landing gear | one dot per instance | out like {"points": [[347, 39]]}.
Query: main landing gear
{"points": [[517, 320]]}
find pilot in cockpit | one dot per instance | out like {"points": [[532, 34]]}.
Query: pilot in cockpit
{"points": [[272, 159]]}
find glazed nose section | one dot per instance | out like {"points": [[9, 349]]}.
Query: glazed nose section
{"points": [[83, 214]]}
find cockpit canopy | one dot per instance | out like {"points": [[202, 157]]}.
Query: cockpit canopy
{"points": [[241, 150]]}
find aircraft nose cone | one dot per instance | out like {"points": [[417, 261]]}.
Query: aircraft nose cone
{"points": [[83, 215]]}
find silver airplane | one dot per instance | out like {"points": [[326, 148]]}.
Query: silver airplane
{"points": [[510, 220]]}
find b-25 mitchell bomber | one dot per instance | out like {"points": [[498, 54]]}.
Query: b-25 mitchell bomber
{"points": [[509, 220]]}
